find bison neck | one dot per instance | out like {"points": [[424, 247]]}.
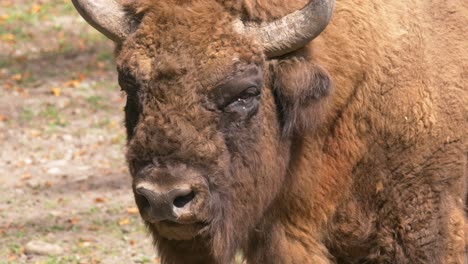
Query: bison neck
{"points": [[388, 123]]}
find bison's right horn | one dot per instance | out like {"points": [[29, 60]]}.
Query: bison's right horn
{"points": [[292, 31], [107, 16]]}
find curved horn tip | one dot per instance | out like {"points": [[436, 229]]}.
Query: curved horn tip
{"points": [[107, 16], [292, 31]]}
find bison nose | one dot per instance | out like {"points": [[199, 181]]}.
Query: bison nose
{"points": [[163, 205]]}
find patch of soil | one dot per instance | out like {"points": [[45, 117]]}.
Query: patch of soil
{"points": [[63, 177]]}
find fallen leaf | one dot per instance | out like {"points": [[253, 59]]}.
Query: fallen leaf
{"points": [[132, 242], [35, 9], [73, 220], [7, 86], [81, 44], [86, 239], [100, 64], [124, 221], [21, 58], [48, 184], [72, 83], [93, 228], [99, 200], [79, 153], [35, 133], [8, 37], [25, 176], [115, 140], [4, 18], [56, 91], [81, 77], [3, 118], [132, 210], [84, 244], [16, 77], [113, 124]]}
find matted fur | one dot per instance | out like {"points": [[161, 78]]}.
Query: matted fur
{"points": [[373, 172]]}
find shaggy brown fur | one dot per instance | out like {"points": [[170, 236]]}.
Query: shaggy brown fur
{"points": [[374, 172]]}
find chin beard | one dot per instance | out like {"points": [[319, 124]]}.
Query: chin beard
{"points": [[228, 230]]}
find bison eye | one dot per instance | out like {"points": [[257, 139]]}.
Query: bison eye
{"points": [[239, 93], [245, 101]]}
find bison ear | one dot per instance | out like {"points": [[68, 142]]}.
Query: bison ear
{"points": [[301, 89]]}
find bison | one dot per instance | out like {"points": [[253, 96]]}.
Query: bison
{"points": [[244, 135]]}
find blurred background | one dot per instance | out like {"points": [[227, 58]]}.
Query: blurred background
{"points": [[65, 194]]}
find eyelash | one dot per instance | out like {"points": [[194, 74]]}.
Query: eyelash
{"points": [[249, 93], [244, 98]]}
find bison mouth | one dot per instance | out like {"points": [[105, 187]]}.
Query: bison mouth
{"points": [[180, 231]]}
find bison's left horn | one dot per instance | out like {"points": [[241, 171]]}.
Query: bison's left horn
{"points": [[293, 31], [107, 16]]}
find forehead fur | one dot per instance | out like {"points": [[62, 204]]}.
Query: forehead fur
{"points": [[249, 9], [175, 37]]}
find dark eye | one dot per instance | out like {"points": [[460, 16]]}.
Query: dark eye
{"points": [[240, 92], [245, 101], [249, 93]]}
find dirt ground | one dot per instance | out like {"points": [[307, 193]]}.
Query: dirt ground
{"points": [[63, 178]]}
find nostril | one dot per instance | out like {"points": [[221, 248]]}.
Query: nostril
{"points": [[181, 201], [144, 202], [142, 197]]}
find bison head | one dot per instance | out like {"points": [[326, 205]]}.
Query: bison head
{"points": [[210, 116]]}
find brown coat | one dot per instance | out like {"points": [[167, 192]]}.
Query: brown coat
{"points": [[371, 171]]}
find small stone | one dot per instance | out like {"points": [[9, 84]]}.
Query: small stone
{"points": [[54, 171], [83, 168], [67, 137], [55, 213], [82, 177], [64, 102], [57, 163], [33, 184], [19, 191], [125, 229], [39, 247]]}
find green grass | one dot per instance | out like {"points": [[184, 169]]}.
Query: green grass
{"points": [[54, 116], [15, 248], [47, 11], [57, 228], [20, 234], [95, 101], [61, 260], [102, 123], [19, 33], [105, 55], [143, 260], [50, 204], [4, 62], [93, 210], [26, 114]]}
